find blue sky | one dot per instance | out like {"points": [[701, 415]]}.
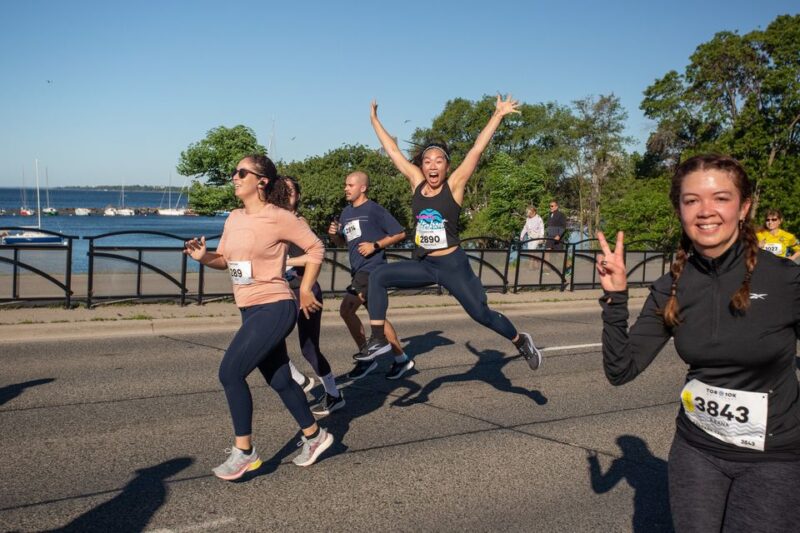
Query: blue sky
{"points": [[133, 84]]}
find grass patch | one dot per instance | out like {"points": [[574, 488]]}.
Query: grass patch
{"points": [[102, 319], [140, 316]]}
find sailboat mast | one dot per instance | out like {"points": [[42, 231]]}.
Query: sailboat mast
{"points": [[47, 186], [38, 200]]}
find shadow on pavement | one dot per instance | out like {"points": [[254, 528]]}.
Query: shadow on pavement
{"points": [[9, 392], [420, 344], [488, 368], [647, 476], [131, 510]]}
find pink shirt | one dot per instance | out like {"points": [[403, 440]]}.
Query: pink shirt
{"points": [[257, 242]]}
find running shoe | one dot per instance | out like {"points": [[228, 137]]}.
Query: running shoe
{"points": [[530, 352], [398, 370], [308, 383], [237, 464], [373, 349], [312, 448], [328, 404], [362, 368]]}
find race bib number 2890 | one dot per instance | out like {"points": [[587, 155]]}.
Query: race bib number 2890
{"points": [[730, 415]]}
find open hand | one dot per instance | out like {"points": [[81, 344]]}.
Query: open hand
{"points": [[373, 112], [611, 266], [507, 106], [195, 248]]}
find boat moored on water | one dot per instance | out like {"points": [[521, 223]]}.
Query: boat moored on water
{"points": [[50, 211], [31, 237], [125, 212], [110, 212], [25, 212], [82, 211], [171, 212]]}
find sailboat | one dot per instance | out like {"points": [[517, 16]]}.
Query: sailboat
{"points": [[171, 211], [31, 236], [49, 211], [122, 210], [24, 210]]}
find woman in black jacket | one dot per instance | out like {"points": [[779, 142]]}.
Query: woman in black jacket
{"points": [[734, 313]]}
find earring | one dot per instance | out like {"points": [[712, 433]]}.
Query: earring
{"points": [[741, 224]]}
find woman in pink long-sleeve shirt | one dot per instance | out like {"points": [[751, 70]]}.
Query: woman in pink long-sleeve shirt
{"points": [[253, 249]]}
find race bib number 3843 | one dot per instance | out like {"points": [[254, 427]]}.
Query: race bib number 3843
{"points": [[733, 416]]}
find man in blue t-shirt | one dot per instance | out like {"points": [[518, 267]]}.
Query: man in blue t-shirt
{"points": [[368, 229]]}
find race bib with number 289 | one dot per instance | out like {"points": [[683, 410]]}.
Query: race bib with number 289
{"points": [[241, 272]]}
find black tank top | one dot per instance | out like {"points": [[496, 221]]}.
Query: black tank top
{"points": [[437, 220]]}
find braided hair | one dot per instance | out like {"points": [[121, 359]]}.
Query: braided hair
{"points": [[740, 301]]}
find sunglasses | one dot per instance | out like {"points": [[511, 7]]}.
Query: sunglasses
{"points": [[773, 219], [243, 172]]}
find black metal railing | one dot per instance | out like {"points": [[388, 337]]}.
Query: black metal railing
{"points": [[24, 283], [161, 270]]}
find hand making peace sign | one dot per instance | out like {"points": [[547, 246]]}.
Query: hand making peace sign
{"points": [[611, 266]]}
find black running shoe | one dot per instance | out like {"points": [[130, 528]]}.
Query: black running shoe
{"points": [[373, 349], [530, 352], [362, 368], [398, 370], [328, 404]]}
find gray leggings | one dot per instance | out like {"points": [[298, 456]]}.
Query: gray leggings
{"points": [[711, 494]]}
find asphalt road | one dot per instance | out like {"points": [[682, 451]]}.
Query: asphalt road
{"points": [[119, 434]]}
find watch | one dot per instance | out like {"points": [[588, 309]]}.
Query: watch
{"points": [[376, 245]]}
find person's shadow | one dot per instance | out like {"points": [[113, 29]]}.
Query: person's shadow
{"points": [[417, 345], [132, 509], [647, 476], [9, 392], [488, 368]]}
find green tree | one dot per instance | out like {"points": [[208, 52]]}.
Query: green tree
{"points": [[208, 199], [216, 156], [739, 95], [322, 181], [642, 209], [511, 188], [599, 152]]}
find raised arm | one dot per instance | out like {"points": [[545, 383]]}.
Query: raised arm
{"points": [[406, 167], [458, 179]]}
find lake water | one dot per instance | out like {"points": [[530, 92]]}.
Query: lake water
{"points": [[90, 226]]}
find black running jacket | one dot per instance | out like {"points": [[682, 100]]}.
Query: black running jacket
{"points": [[751, 351]]}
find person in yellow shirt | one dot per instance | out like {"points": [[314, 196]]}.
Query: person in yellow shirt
{"points": [[773, 239]]}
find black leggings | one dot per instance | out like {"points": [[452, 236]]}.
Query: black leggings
{"points": [[711, 494], [308, 332], [451, 271], [261, 343]]}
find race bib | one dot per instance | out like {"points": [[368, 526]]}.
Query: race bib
{"points": [[430, 234], [352, 230], [774, 247], [733, 416], [431, 239], [241, 272]]}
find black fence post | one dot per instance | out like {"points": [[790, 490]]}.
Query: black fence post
{"points": [[68, 277], [90, 281]]}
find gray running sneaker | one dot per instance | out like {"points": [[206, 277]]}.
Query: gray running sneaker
{"points": [[312, 448], [328, 404], [362, 368], [398, 370], [530, 352], [372, 349], [237, 464]]}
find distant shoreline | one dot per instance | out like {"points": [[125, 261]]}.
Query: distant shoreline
{"points": [[128, 188]]}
